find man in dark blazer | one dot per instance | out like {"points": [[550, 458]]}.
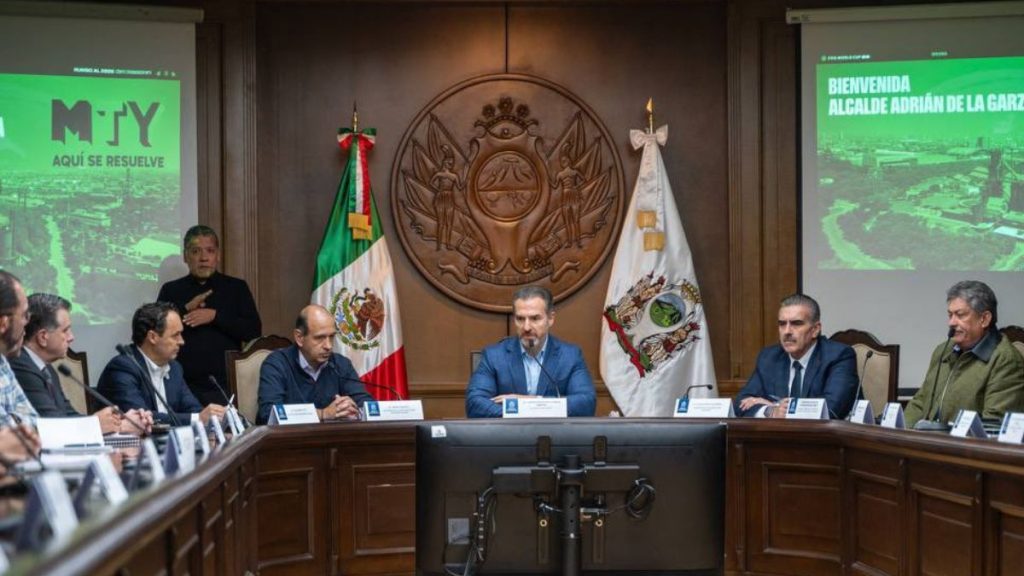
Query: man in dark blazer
{"points": [[218, 310], [130, 378], [48, 337], [804, 364], [532, 364], [310, 372]]}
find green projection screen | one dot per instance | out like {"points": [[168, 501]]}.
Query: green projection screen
{"points": [[912, 166], [97, 161]]}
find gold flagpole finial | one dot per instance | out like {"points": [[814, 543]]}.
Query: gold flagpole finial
{"points": [[650, 115], [355, 118]]}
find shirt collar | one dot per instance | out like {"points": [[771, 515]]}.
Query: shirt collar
{"points": [[161, 371], [35, 358], [308, 368], [985, 347], [806, 358]]}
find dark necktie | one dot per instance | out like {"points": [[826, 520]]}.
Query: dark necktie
{"points": [[52, 385], [796, 389]]}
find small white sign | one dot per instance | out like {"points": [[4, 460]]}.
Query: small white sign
{"points": [[109, 481], [58, 509], [374, 410], [807, 409], [235, 421], [286, 414], [218, 430], [186, 447], [968, 424], [152, 457], [202, 438], [1012, 428], [892, 416], [862, 413], [438, 431], [703, 408], [534, 408]]}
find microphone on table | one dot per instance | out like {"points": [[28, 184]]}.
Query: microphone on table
{"points": [[227, 399], [65, 371], [531, 349], [125, 351], [341, 375], [933, 424], [860, 384], [686, 393]]}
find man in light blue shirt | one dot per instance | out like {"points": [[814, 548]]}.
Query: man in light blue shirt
{"points": [[534, 363], [13, 319]]}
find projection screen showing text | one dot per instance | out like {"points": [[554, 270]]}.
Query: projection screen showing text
{"points": [[912, 170]]}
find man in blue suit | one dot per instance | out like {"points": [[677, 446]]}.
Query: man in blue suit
{"points": [[533, 364], [130, 378], [804, 364]]}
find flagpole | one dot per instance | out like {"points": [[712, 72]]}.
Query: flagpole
{"points": [[650, 115], [355, 118]]}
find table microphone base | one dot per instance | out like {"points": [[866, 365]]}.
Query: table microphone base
{"points": [[931, 426]]}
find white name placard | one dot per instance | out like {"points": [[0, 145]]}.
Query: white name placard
{"points": [[1012, 428], [807, 409], [186, 448], [109, 482], [218, 430], [862, 413], [534, 408], [968, 424], [375, 410], [892, 416], [286, 414], [235, 421], [152, 458], [202, 438], [703, 408]]}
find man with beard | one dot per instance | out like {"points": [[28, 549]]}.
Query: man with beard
{"points": [[219, 314], [534, 364], [14, 405], [804, 364]]}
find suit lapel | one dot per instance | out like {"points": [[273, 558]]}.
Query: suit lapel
{"points": [[811, 374], [782, 382], [147, 391], [550, 363], [515, 364]]}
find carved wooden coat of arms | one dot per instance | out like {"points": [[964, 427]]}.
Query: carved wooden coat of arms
{"points": [[504, 181]]}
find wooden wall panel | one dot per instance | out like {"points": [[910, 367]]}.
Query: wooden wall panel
{"points": [[292, 542], [873, 513]]}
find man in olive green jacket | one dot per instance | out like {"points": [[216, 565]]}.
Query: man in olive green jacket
{"points": [[976, 369]]}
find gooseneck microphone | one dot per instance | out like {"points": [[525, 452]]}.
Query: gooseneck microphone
{"points": [[341, 375], [65, 371], [860, 384], [686, 393], [227, 399], [125, 351], [932, 424]]}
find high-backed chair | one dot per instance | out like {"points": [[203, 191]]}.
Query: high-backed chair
{"points": [[1016, 336], [244, 371], [880, 373], [78, 363]]}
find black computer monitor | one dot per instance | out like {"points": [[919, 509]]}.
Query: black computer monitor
{"points": [[501, 495]]}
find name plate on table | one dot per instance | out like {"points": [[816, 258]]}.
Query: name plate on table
{"points": [[48, 504], [534, 408], [218, 430], [375, 410], [285, 414], [807, 409], [703, 408], [968, 425], [862, 413], [1012, 428], [202, 438], [235, 421], [151, 458], [892, 416]]}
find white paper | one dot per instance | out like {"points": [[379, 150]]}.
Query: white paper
{"points": [[374, 410], [1012, 429], [807, 409], [286, 414], [535, 408], [703, 408], [82, 432]]}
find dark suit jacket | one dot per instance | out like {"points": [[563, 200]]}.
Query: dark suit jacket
{"points": [[283, 381], [33, 382], [121, 382], [501, 371], [831, 374]]}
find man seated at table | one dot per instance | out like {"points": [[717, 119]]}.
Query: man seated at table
{"points": [[533, 364], [310, 372], [130, 379], [976, 368], [804, 364]]}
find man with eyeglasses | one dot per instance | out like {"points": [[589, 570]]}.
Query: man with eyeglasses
{"points": [[534, 363], [14, 405]]}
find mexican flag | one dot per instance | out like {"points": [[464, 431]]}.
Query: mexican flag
{"points": [[354, 278], [654, 336]]}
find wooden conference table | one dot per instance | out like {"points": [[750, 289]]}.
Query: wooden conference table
{"points": [[802, 498]]}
